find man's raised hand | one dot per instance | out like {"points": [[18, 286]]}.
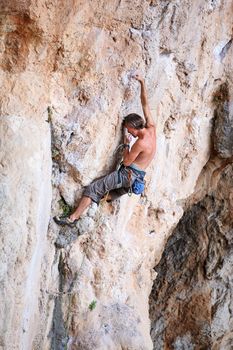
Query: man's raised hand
{"points": [[139, 78], [127, 136]]}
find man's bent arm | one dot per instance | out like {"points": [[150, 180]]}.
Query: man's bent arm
{"points": [[130, 156]]}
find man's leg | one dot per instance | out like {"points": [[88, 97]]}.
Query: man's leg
{"points": [[70, 220], [115, 194], [83, 204], [93, 192]]}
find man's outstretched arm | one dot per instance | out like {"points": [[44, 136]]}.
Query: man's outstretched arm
{"points": [[144, 101]]}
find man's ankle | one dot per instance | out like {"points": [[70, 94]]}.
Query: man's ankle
{"points": [[72, 218]]}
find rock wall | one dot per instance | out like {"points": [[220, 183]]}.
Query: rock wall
{"points": [[191, 299], [25, 206], [66, 71]]}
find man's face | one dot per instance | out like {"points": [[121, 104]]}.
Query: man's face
{"points": [[131, 130]]}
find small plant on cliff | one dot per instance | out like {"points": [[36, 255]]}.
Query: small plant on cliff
{"points": [[55, 153], [92, 305], [66, 208]]}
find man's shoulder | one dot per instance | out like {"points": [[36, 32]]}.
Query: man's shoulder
{"points": [[151, 130], [150, 126], [139, 144], [142, 144]]}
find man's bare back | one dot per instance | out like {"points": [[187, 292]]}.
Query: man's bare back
{"points": [[148, 147]]}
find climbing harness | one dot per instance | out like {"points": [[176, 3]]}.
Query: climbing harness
{"points": [[138, 186], [130, 192]]}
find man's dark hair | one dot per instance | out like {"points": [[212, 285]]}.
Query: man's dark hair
{"points": [[134, 120]]}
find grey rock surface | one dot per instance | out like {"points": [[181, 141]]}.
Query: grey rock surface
{"points": [[191, 300], [223, 122]]}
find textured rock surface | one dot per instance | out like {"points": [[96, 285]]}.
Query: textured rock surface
{"points": [[70, 63], [191, 300], [223, 123], [25, 205]]}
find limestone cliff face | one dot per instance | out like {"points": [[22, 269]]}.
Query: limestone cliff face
{"points": [[66, 69], [191, 300]]}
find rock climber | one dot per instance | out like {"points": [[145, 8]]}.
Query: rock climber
{"points": [[135, 161]]}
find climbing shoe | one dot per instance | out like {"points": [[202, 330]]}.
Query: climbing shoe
{"points": [[64, 220]]}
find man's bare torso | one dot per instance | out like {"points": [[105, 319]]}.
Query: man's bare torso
{"points": [[148, 148]]}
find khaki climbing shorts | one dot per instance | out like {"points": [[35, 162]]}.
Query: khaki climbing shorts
{"points": [[116, 183]]}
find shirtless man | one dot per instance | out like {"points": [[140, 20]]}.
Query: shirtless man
{"points": [[135, 161]]}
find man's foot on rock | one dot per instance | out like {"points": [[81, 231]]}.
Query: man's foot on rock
{"points": [[62, 220]]}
